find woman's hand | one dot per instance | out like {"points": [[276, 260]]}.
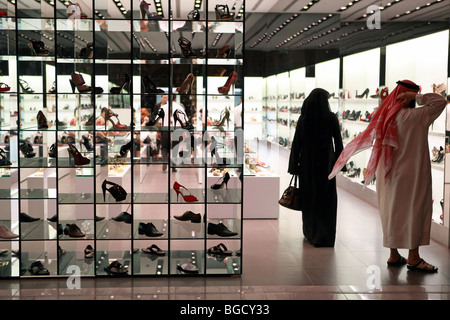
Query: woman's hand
{"points": [[406, 97]]}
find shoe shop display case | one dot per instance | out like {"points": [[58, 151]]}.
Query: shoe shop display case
{"points": [[121, 153]]}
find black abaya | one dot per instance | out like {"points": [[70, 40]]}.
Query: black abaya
{"points": [[312, 159]]}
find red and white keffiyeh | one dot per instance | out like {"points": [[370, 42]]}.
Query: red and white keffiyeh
{"points": [[383, 129]]}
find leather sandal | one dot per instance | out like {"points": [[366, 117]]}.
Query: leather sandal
{"points": [[400, 262], [220, 249], [37, 268], [116, 268], [154, 249], [416, 267]]}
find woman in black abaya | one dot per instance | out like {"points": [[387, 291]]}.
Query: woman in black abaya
{"points": [[316, 146]]}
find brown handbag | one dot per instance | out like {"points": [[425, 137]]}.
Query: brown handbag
{"points": [[292, 197]]}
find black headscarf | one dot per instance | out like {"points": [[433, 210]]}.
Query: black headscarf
{"points": [[314, 114]]}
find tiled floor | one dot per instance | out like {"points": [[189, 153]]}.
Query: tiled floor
{"points": [[278, 265]]}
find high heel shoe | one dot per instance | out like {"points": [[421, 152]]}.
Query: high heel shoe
{"points": [[25, 86], [4, 87], [41, 120], [194, 15], [223, 13], [181, 117], [79, 159], [186, 47], [3, 160], [223, 52], [88, 51], [26, 149], [230, 81], [37, 48], [150, 86], [53, 151], [187, 198], [214, 154], [78, 82], [224, 116], [117, 126], [127, 82], [87, 143], [155, 117], [74, 11], [127, 147], [224, 179], [365, 93], [187, 84], [116, 191], [145, 10]]}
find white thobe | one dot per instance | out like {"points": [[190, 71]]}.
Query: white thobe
{"points": [[405, 195]]}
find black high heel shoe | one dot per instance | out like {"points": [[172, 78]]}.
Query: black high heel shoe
{"points": [[128, 147], [26, 149], [37, 48], [150, 86], [88, 52], [116, 191], [186, 47], [3, 160], [223, 13], [365, 93], [155, 118], [53, 151], [181, 117], [127, 82], [224, 179], [87, 143], [25, 86], [214, 154]]}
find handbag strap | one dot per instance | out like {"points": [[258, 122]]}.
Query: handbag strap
{"points": [[295, 181]]}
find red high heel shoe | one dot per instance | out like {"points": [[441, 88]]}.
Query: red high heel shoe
{"points": [[117, 126], [231, 80], [77, 156], [187, 198]]}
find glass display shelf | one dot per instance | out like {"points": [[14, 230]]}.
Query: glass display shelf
{"points": [[38, 230], [75, 258]]}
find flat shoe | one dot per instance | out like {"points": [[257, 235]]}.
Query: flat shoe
{"points": [[416, 267], [187, 267], [154, 249], [220, 249], [400, 262], [116, 268]]}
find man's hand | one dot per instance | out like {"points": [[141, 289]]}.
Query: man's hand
{"points": [[406, 97]]}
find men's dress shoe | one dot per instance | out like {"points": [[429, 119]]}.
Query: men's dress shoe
{"points": [[5, 233], [149, 230], [53, 219], [23, 217], [190, 216], [72, 230], [220, 229], [124, 217]]}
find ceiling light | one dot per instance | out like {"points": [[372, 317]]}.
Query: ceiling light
{"points": [[309, 5]]}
